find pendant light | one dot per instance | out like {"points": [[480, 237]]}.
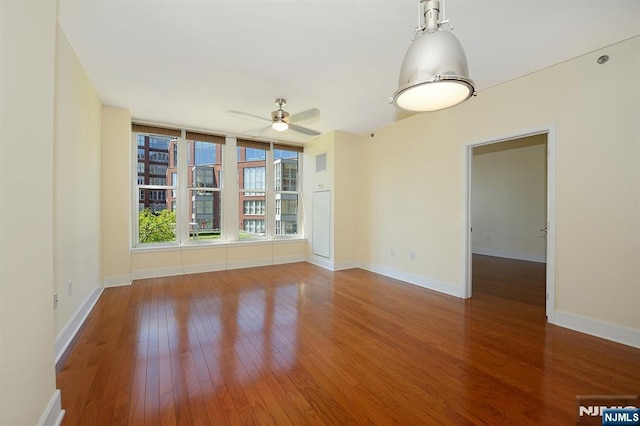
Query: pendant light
{"points": [[434, 73]]}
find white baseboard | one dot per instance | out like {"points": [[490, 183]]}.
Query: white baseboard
{"points": [[117, 281], [323, 262], [69, 331], [606, 330], [540, 258], [345, 265], [419, 280], [53, 414]]}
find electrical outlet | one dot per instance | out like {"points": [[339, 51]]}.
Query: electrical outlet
{"points": [[392, 252], [55, 300], [413, 255], [488, 237], [70, 287]]}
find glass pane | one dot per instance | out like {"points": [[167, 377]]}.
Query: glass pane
{"points": [[153, 159], [286, 214], [157, 218], [285, 173], [252, 214], [205, 164], [205, 215], [251, 154], [253, 178], [252, 168]]}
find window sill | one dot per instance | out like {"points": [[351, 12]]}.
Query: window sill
{"points": [[208, 245]]}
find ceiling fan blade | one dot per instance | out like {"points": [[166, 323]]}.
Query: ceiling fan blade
{"points": [[307, 115], [241, 114], [304, 130], [257, 131]]}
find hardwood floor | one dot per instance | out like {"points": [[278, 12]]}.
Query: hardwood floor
{"points": [[296, 344], [513, 280]]}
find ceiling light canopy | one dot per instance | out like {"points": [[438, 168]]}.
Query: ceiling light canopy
{"points": [[434, 73], [280, 118]]}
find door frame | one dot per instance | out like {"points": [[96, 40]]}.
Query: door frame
{"points": [[550, 131]]}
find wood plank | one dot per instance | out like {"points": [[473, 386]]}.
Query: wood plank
{"points": [[297, 344]]}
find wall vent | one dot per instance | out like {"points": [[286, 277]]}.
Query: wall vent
{"points": [[321, 162]]}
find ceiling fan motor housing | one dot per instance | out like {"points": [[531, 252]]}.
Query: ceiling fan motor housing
{"points": [[280, 115]]}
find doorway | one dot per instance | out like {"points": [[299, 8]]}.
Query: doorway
{"points": [[511, 206]]}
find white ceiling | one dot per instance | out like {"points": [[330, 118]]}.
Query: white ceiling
{"points": [[186, 62]]}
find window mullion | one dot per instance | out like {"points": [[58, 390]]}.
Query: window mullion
{"points": [[182, 206], [270, 198], [299, 227], [230, 190]]}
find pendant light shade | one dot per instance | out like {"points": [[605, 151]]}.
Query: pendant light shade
{"points": [[434, 73]]}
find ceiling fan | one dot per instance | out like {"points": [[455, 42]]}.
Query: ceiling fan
{"points": [[281, 120]]}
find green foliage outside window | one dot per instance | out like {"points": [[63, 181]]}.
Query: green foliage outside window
{"points": [[157, 227]]}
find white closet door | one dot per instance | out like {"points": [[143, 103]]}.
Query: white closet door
{"points": [[321, 224]]}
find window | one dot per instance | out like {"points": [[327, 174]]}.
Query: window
{"points": [[180, 191], [159, 142], [256, 196], [254, 227], [156, 218], [159, 157], [205, 153], [156, 169], [179, 200], [157, 181], [286, 184], [254, 178], [252, 168], [254, 207], [205, 189], [255, 154]]}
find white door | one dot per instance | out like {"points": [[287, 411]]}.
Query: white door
{"points": [[321, 224]]}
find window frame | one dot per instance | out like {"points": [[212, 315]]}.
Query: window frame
{"points": [[140, 189], [183, 191], [298, 192]]}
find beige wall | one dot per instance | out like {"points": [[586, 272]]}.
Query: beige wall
{"points": [[347, 184], [77, 186], [343, 178], [318, 181], [122, 264], [508, 198], [116, 196], [416, 195], [27, 52]]}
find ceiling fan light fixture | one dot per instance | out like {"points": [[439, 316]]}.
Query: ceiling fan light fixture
{"points": [[434, 73], [279, 117], [279, 125]]}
